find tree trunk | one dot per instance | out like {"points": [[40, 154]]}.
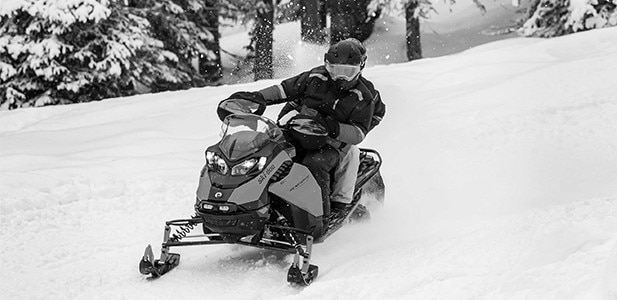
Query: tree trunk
{"points": [[414, 47], [210, 67], [350, 19], [263, 40], [313, 22], [323, 15]]}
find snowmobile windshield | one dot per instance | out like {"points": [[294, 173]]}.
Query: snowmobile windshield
{"points": [[244, 135]]}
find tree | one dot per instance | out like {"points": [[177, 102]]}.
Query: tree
{"points": [[412, 36], [351, 19], [186, 29], [548, 18], [52, 53], [56, 51], [208, 18], [260, 15], [413, 10], [263, 32], [313, 21]]}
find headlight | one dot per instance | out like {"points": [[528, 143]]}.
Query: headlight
{"points": [[249, 165], [216, 163]]}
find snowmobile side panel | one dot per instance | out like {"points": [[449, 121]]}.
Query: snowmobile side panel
{"points": [[299, 219], [300, 189]]}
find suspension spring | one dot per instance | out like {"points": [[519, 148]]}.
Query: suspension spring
{"points": [[291, 236], [183, 230]]}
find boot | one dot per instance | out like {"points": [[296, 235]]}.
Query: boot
{"points": [[338, 208]]}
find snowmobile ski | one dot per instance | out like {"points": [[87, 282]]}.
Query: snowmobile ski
{"points": [[305, 274], [156, 268]]}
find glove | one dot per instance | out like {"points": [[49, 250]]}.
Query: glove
{"points": [[330, 124], [223, 110], [256, 97]]}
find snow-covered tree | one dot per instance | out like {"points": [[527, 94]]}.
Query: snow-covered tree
{"points": [[188, 29], [67, 51], [548, 18], [208, 18], [39, 44]]}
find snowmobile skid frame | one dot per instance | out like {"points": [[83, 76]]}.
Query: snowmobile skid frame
{"points": [[301, 272]]}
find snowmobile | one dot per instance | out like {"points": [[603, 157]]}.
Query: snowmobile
{"points": [[253, 192]]}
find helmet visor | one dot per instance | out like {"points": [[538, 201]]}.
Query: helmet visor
{"points": [[345, 72]]}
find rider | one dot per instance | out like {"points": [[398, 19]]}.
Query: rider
{"points": [[344, 102]]}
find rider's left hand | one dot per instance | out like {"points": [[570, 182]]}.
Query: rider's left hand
{"points": [[330, 124]]}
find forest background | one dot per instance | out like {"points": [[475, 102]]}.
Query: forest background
{"points": [[70, 51]]}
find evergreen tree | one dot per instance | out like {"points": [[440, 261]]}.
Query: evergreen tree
{"points": [[208, 18], [40, 43], [548, 18], [180, 30], [58, 51], [313, 21], [351, 18]]}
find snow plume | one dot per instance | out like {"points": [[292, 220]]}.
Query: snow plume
{"points": [[296, 56]]}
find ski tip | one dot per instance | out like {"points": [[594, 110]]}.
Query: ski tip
{"points": [[148, 254], [146, 264]]}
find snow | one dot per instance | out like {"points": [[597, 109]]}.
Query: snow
{"points": [[500, 165]]}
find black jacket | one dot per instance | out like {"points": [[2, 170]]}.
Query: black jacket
{"points": [[360, 106]]}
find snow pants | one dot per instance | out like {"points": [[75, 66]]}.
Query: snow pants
{"points": [[321, 163], [345, 175]]}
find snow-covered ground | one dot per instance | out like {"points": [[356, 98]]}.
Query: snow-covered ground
{"points": [[500, 165]]}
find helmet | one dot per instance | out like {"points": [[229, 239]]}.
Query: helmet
{"points": [[344, 62], [347, 52]]}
